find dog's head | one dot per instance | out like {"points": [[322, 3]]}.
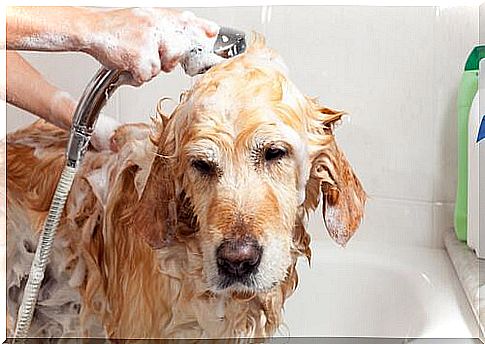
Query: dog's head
{"points": [[240, 161]]}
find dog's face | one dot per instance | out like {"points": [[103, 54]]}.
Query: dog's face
{"points": [[243, 170], [252, 155]]}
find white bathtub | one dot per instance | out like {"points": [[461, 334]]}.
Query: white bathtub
{"points": [[378, 291]]}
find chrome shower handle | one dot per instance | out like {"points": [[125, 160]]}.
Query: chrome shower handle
{"points": [[97, 92]]}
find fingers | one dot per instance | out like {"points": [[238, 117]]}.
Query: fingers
{"points": [[168, 61], [146, 69], [170, 65], [211, 29]]}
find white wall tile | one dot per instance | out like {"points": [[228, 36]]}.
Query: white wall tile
{"points": [[137, 104], [16, 118], [442, 221], [398, 222]]}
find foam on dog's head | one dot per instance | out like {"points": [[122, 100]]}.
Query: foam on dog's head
{"points": [[257, 78]]}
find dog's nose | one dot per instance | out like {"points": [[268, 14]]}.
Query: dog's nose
{"points": [[237, 258]]}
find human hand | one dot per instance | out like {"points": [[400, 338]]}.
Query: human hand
{"points": [[145, 41]]}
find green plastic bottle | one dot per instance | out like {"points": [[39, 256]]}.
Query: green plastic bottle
{"points": [[466, 93]]}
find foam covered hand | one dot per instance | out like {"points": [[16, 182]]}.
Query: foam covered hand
{"points": [[145, 41]]}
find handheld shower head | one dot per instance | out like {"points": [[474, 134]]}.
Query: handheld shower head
{"points": [[199, 59], [229, 43]]}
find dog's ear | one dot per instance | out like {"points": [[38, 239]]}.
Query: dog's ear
{"points": [[332, 178], [156, 214], [163, 211], [155, 218]]}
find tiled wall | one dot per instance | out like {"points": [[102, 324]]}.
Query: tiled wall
{"points": [[394, 69]]}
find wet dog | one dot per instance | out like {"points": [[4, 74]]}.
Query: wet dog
{"points": [[192, 227]]}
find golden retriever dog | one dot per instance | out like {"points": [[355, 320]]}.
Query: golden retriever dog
{"points": [[190, 227]]}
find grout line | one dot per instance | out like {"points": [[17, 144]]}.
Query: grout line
{"points": [[434, 129], [408, 200]]}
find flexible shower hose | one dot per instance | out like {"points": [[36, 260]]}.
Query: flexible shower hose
{"points": [[43, 252], [101, 86]]}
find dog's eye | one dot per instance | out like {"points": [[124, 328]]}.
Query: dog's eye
{"points": [[204, 167], [274, 153]]}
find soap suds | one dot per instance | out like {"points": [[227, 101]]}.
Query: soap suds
{"points": [[199, 60], [57, 310], [45, 42], [99, 181], [104, 128]]}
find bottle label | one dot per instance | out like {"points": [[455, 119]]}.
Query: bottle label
{"points": [[481, 131]]}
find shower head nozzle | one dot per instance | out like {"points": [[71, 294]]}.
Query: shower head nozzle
{"points": [[229, 43]]}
